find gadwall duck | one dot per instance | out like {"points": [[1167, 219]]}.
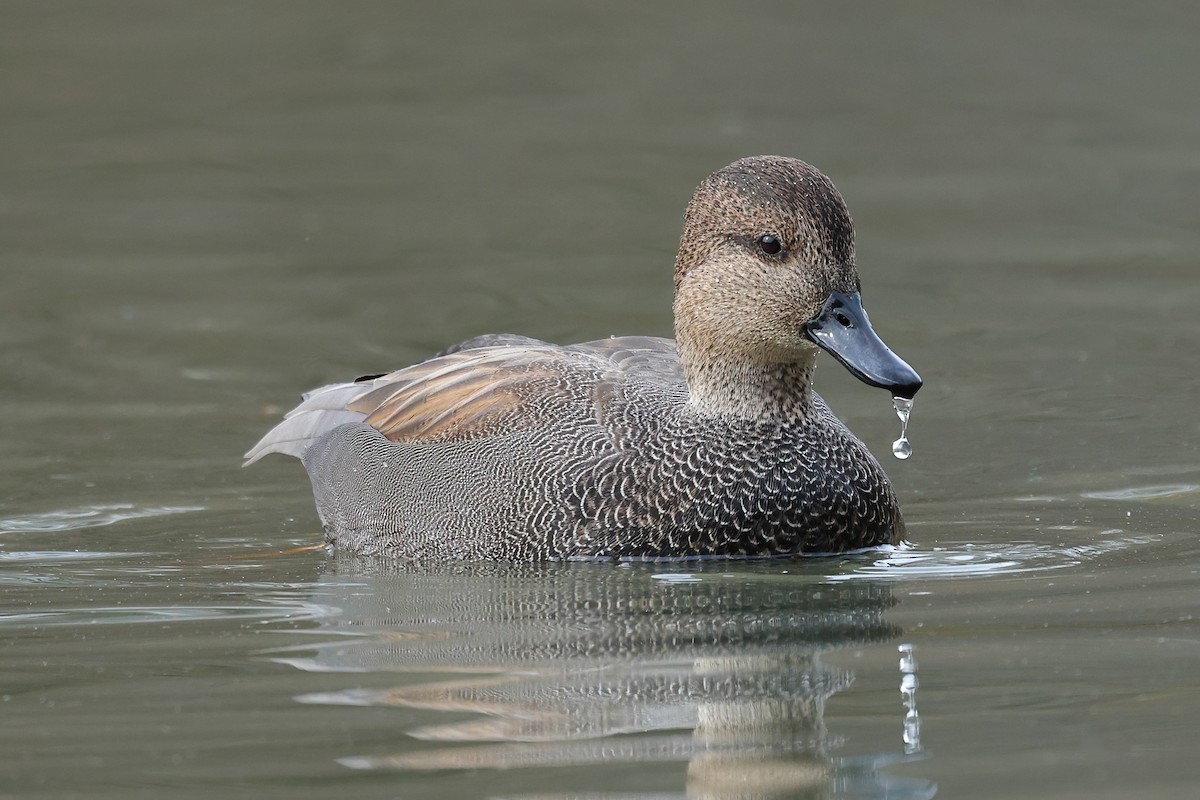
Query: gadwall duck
{"points": [[714, 444]]}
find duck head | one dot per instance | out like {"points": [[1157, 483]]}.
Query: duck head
{"points": [[766, 275]]}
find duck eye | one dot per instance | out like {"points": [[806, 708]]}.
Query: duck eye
{"points": [[770, 244]]}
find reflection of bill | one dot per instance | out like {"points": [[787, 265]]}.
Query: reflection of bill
{"points": [[585, 665]]}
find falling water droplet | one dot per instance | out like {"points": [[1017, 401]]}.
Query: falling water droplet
{"points": [[908, 689], [901, 448]]}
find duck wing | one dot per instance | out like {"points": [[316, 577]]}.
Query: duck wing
{"points": [[483, 387]]}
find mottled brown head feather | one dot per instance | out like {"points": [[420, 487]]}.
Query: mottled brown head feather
{"points": [[767, 194]]}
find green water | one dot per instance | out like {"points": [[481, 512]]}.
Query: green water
{"points": [[208, 208]]}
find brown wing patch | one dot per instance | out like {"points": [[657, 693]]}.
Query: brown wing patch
{"points": [[465, 394]]}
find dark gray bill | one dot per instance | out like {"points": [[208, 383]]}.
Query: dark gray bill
{"points": [[843, 330]]}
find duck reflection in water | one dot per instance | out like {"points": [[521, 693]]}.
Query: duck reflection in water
{"points": [[578, 666]]}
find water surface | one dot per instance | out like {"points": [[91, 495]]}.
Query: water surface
{"points": [[206, 209]]}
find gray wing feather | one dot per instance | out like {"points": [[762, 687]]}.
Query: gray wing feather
{"points": [[469, 381], [321, 411]]}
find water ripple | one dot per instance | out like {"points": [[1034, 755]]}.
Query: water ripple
{"points": [[968, 560], [140, 614], [56, 556], [1144, 492], [94, 516]]}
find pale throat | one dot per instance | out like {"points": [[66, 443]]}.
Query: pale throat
{"points": [[746, 387]]}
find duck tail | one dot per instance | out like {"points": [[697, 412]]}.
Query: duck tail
{"points": [[321, 411]]}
